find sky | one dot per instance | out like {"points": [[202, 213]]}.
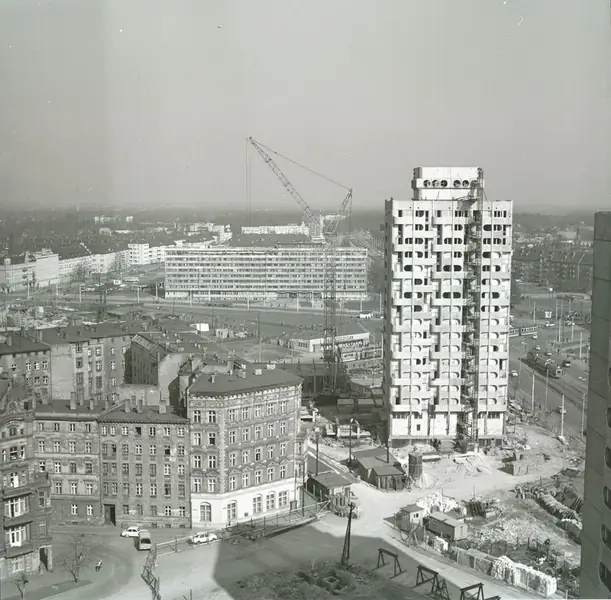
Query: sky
{"points": [[149, 102]]}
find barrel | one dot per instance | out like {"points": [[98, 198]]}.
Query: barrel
{"points": [[415, 466]]}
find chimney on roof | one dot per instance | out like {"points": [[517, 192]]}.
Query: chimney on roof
{"points": [[33, 397], [91, 404], [106, 403], [162, 406], [39, 335], [139, 406], [9, 340], [81, 398], [72, 400], [127, 406], [213, 378]]}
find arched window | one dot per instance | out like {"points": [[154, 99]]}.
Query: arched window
{"points": [[205, 512], [270, 501]]}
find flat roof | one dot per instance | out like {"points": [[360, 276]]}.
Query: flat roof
{"points": [[221, 384], [331, 479]]}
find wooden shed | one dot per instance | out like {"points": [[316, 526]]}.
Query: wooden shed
{"points": [[379, 468], [447, 527]]}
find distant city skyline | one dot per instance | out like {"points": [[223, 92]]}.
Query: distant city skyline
{"points": [[151, 103]]}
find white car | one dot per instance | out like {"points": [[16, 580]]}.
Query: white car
{"points": [[203, 538], [561, 410], [514, 373], [131, 532]]}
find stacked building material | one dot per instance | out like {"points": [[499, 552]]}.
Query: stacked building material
{"points": [[523, 576]]}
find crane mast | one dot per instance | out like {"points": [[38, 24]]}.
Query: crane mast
{"points": [[328, 236]]}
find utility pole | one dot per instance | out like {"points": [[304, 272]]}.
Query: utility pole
{"points": [[583, 414], [317, 443], [346, 550], [580, 343], [532, 395], [546, 388], [562, 417]]}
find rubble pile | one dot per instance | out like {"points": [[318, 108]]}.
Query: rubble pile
{"points": [[549, 502], [523, 576], [572, 527], [437, 502]]}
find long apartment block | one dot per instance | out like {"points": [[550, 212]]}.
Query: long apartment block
{"points": [[233, 273], [448, 277]]}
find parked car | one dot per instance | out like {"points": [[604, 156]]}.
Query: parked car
{"points": [[131, 532], [514, 373], [203, 538], [561, 410]]}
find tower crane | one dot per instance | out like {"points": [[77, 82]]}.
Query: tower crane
{"points": [[328, 237]]}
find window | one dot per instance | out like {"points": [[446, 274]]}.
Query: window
{"points": [[245, 480], [72, 447], [58, 487], [283, 428], [98, 368], [56, 447], [55, 426], [271, 429], [257, 432], [42, 466], [90, 510], [125, 449], [282, 471], [270, 501], [233, 459], [196, 485], [258, 453], [211, 417], [211, 485], [57, 467], [41, 426], [212, 439], [73, 487], [139, 469], [72, 468], [87, 427], [233, 436], [271, 408], [257, 411], [180, 432], [88, 447], [283, 499], [167, 489], [167, 450], [181, 470], [88, 468], [197, 439], [205, 512], [98, 351], [71, 427], [41, 445], [197, 461], [245, 414], [270, 473], [153, 470], [166, 432], [167, 470], [182, 511], [89, 488], [138, 489], [125, 468], [270, 451], [212, 461], [258, 477], [15, 536], [282, 406], [113, 365], [232, 482], [197, 416], [167, 511], [74, 510], [153, 490], [45, 380], [181, 490], [124, 430], [245, 435], [28, 366], [126, 489], [45, 364], [152, 450], [153, 510], [138, 449], [232, 511], [15, 507], [257, 505], [283, 449], [245, 456], [152, 431], [181, 450], [232, 415]]}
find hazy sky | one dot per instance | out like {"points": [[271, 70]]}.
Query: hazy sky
{"points": [[150, 101]]}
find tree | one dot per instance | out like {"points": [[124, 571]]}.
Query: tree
{"points": [[80, 273], [22, 583], [81, 552]]}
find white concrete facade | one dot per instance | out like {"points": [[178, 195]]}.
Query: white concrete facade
{"points": [[448, 259], [144, 254], [18, 273], [302, 229], [262, 273], [46, 269], [595, 579], [219, 510]]}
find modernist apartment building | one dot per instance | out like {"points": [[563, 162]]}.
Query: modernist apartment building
{"points": [[27, 360], [262, 273], [25, 542], [448, 262], [595, 580], [89, 359], [145, 465], [244, 422], [66, 448], [17, 273]]}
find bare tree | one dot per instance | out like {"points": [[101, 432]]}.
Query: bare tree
{"points": [[80, 273], [81, 551], [22, 583]]}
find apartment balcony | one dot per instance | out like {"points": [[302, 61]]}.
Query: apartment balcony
{"points": [[35, 482], [447, 328], [446, 354], [26, 517]]}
